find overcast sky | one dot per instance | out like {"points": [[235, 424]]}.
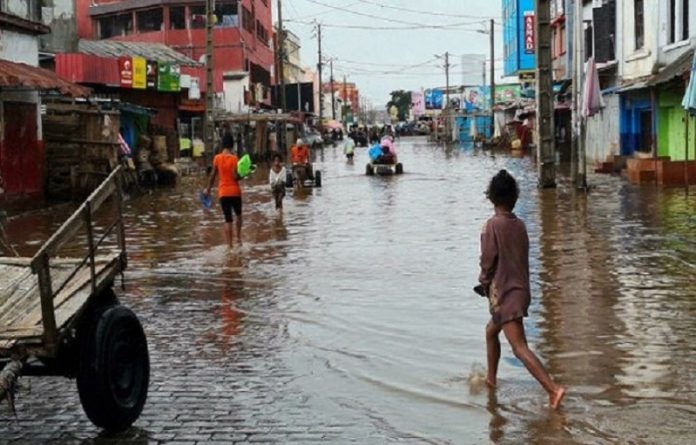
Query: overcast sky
{"points": [[356, 33]]}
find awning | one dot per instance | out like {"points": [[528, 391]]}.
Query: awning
{"points": [[678, 68], [21, 75], [158, 52], [635, 85]]}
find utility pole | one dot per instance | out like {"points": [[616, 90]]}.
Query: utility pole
{"points": [[333, 92], [345, 102], [281, 57], [580, 179], [321, 85], [546, 156], [209, 126], [447, 98], [492, 36]]}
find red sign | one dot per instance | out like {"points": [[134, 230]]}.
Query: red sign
{"points": [[529, 33], [125, 68]]}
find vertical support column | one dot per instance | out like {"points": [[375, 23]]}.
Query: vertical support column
{"points": [[48, 316], [209, 124], [492, 36], [546, 156], [90, 244], [321, 85]]}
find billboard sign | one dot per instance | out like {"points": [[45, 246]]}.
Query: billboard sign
{"points": [[168, 78], [529, 32], [125, 69], [139, 73]]}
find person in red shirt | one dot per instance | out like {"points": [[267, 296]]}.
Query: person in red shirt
{"points": [[229, 190]]}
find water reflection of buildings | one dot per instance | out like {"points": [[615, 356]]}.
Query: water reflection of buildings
{"points": [[579, 291]]}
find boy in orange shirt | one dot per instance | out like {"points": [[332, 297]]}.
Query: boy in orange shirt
{"points": [[229, 190]]}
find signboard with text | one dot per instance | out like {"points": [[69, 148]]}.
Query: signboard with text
{"points": [[139, 73], [125, 68], [168, 77], [529, 32], [151, 74]]}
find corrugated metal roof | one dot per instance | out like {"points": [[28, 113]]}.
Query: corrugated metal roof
{"points": [[675, 69], [158, 52], [21, 75]]}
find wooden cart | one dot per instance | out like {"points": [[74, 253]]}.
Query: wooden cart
{"points": [[60, 316]]}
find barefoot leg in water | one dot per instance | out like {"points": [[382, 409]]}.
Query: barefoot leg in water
{"points": [[514, 332], [493, 353]]}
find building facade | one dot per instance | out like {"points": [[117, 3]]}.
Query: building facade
{"points": [[519, 37], [242, 36]]}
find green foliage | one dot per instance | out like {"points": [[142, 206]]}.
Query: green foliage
{"points": [[402, 101]]}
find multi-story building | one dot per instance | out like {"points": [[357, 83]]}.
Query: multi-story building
{"points": [[242, 35], [347, 92], [519, 38], [561, 33]]}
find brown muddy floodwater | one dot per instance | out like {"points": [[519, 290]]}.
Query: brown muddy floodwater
{"points": [[351, 318]]}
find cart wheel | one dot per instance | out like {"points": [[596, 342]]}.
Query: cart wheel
{"points": [[317, 179], [288, 180], [369, 170], [399, 169], [114, 370]]}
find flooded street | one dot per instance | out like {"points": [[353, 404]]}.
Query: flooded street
{"points": [[351, 318]]}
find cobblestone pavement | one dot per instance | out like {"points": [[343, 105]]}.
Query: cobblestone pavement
{"points": [[209, 385]]}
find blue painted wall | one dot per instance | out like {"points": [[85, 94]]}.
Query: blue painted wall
{"points": [[515, 57], [484, 127], [632, 106]]}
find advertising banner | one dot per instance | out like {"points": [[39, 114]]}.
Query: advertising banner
{"points": [[151, 74], [417, 103], [139, 73], [475, 99], [434, 99], [507, 93], [168, 78], [529, 32], [125, 68]]}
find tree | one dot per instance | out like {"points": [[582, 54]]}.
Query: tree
{"points": [[402, 101]]}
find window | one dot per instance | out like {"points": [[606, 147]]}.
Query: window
{"points": [[115, 26], [247, 20], [562, 39], [177, 17], [672, 21], [227, 14], [197, 17], [150, 20], [685, 19], [639, 25], [261, 33], [678, 25]]}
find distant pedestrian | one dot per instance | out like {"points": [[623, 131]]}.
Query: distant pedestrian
{"points": [[229, 190], [276, 179], [504, 279], [349, 148]]}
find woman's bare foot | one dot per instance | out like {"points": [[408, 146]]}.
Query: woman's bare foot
{"points": [[491, 383], [556, 398]]}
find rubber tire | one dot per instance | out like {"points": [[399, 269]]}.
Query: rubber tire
{"points": [[399, 169], [317, 179], [289, 180], [369, 170], [114, 368]]}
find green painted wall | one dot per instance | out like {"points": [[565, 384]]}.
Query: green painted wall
{"points": [[671, 126]]}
